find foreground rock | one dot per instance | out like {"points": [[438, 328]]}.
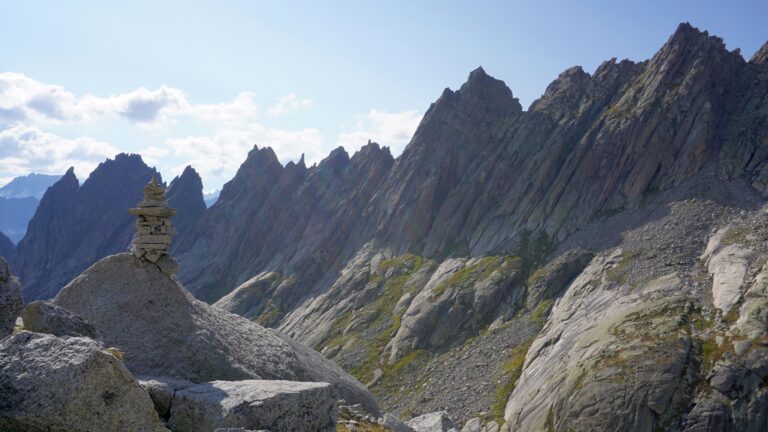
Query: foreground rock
{"points": [[279, 406], [50, 384], [46, 317], [432, 422], [10, 299], [164, 331]]}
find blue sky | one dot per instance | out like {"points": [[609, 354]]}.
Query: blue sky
{"points": [[202, 82]]}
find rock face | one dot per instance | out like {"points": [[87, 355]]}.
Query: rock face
{"points": [[164, 331], [46, 317], [677, 117], [639, 343], [76, 225], [40, 375], [279, 406], [7, 248], [10, 299], [185, 194]]}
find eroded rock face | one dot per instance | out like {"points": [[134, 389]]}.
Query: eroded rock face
{"points": [[10, 299], [7, 248], [279, 406], [248, 299], [607, 357], [728, 265], [459, 296], [72, 384], [46, 317], [164, 331]]}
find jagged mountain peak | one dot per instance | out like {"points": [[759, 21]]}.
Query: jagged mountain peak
{"points": [[481, 86], [335, 162], [69, 176], [124, 164], [301, 165], [761, 56], [188, 177], [688, 43], [372, 149]]}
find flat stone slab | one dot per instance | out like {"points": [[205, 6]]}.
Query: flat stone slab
{"points": [[279, 406]]}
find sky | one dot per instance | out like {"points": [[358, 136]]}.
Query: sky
{"points": [[201, 82]]}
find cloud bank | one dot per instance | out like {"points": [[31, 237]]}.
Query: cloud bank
{"points": [[46, 128]]}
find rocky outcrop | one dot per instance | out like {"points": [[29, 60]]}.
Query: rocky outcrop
{"points": [[75, 225], [596, 345], [10, 299], [279, 406], [248, 299], [460, 296], [728, 265], [185, 194], [42, 316], [72, 384], [290, 219], [432, 422], [164, 331]]}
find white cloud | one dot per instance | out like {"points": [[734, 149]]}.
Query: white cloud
{"points": [[27, 100], [238, 112], [288, 103], [388, 129], [25, 149], [41, 124], [217, 157]]}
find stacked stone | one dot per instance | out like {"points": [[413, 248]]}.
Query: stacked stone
{"points": [[154, 228]]}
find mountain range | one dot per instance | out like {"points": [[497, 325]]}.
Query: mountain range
{"points": [[595, 261], [18, 202]]}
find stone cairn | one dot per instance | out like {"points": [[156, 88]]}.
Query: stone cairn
{"points": [[154, 228]]}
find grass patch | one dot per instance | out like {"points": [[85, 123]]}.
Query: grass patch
{"points": [[478, 271], [617, 273], [711, 353], [270, 316], [384, 323], [116, 353], [734, 236], [512, 369], [541, 312]]}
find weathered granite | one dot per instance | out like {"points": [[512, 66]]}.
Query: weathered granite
{"points": [[164, 331], [42, 316], [280, 406], [10, 299], [72, 384]]}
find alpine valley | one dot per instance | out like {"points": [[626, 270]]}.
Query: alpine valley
{"points": [[598, 261]]}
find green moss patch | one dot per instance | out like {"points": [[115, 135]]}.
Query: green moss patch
{"points": [[382, 323], [540, 314], [480, 270], [270, 316], [512, 369]]}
